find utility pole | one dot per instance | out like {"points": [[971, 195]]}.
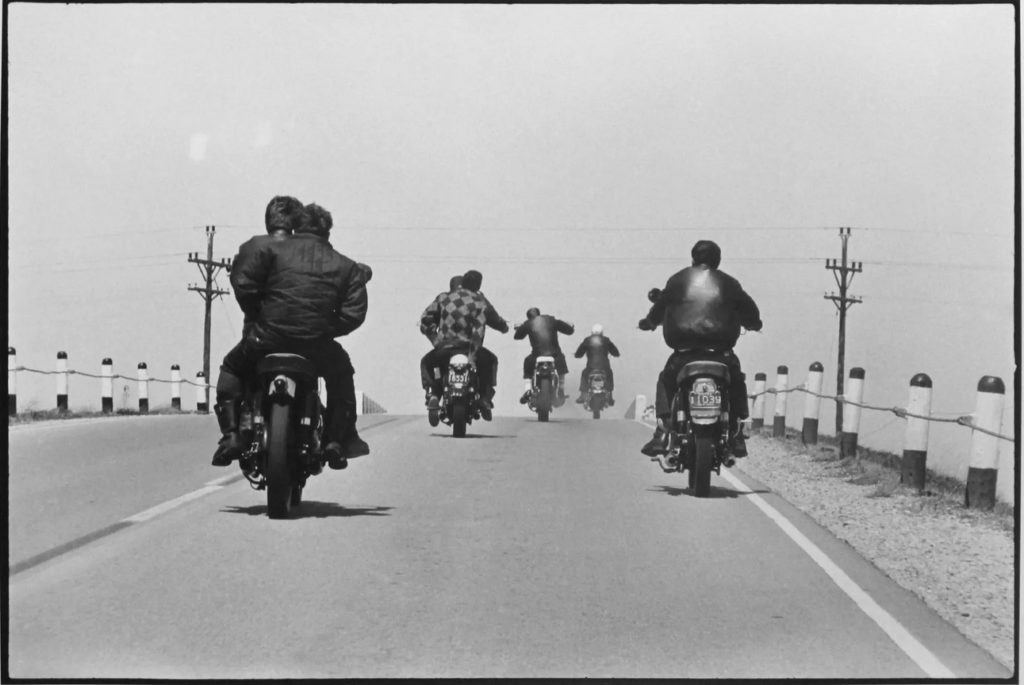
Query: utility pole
{"points": [[208, 270], [843, 273]]}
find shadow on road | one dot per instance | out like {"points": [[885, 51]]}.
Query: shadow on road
{"points": [[468, 435], [313, 509], [714, 493]]}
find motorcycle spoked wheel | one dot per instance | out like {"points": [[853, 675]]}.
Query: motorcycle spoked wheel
{"points": [[280, 484]]}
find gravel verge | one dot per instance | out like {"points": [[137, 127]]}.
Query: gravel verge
{"points": [[960, 561]]}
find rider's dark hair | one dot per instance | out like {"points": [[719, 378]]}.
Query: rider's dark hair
{"points": [[532, 312], [319, 220], [284, 213], [455, 283], [706, 252], [472, 279]]}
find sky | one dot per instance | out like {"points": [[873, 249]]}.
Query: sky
{"points": [[572, 154]]}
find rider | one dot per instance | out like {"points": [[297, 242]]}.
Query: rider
{"points": [[457, 321], [701, 308], [543, 330], [428, 371], [301, 294], [597, 347]]}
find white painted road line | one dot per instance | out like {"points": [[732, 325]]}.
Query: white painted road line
{"points": [[920, 654], [172, 504]]}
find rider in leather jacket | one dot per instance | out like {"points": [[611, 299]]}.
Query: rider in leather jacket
{"points": [[543, 330], [597, 347], [702, 308]]}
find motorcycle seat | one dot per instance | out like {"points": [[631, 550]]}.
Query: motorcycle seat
{"points": [[703, 368], [282, 362]]}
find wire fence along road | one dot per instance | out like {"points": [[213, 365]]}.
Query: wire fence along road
{"points": [[966, 420], [115, 375]]}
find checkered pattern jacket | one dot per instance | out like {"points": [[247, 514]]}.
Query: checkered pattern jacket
{"points": [[460, 316]]}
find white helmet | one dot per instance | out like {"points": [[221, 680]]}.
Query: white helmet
{"points": [[598, 329]]}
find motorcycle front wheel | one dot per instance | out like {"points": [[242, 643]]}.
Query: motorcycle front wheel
{"points": [[279, 474]]}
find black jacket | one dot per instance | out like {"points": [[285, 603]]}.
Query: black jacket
{"points": [[300, 289], [703, 307], [597, 348], [543, 330]]}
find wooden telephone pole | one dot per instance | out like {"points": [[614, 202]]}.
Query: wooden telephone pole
{"points": [[208, 269], [843, 273]]}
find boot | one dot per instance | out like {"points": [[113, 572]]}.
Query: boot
{"points": [[581, 399], [526, 397], [656, 445], [335, 456], [739, 444], [231, 445], [611, 400], [487, 404]]}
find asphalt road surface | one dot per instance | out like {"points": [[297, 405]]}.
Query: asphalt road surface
{"points": [[522, 550]]}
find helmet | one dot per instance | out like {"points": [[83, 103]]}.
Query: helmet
{"points": [[598, 329], [532, 312]]}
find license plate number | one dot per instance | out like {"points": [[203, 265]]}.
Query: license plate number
{"points": [[700, 400]]}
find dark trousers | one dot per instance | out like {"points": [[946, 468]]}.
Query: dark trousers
{"points": [[332, 362], [434, 362], [609, 377], [531, 361], [667, 381]]}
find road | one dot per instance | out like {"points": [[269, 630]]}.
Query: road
{"points": [[523, 550]]}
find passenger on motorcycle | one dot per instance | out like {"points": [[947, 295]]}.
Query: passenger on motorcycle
{"points": [[701, 308], [429, 373], [543, 330], [597, 347], [301, 294], [457, 321]]}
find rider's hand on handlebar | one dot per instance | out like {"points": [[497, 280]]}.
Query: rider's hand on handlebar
{"points": [[646, 325], [757, 326]]}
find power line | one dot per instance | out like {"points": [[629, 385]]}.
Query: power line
{"points": [[844, 276]]}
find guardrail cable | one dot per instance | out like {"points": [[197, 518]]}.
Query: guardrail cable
{"points": [[966, 420], [71, 372]]}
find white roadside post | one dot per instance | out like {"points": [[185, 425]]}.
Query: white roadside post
{"points": [[913, 466], [175, 387], [360, 402], [62, 381], [984, 464], [757, 411], [201, 404], [12, 382], [812, 403], [143, 388], [851, 412], [781, 384], [107, 385]]}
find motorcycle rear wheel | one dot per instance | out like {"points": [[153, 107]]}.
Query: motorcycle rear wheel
{"points": [[596, 404], [459, 419], [544, 397], [279, 474], [701, 473]]}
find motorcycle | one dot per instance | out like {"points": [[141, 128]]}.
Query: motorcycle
{"points": [[544, 394], [698, 435], [282, 420], [460, 401], [596, 398]]}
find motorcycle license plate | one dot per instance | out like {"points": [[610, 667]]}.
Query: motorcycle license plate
{"points": [[458, 378], [705, 395]]}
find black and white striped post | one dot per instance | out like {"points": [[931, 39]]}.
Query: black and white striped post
{"points": [[781, 385], [143, 388], [851, 412], [107, 385], [812, 403], [757, 411], [175, 387], [201, 390], [913, 466], [62, 381], [984, 464], [12, 382]]}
